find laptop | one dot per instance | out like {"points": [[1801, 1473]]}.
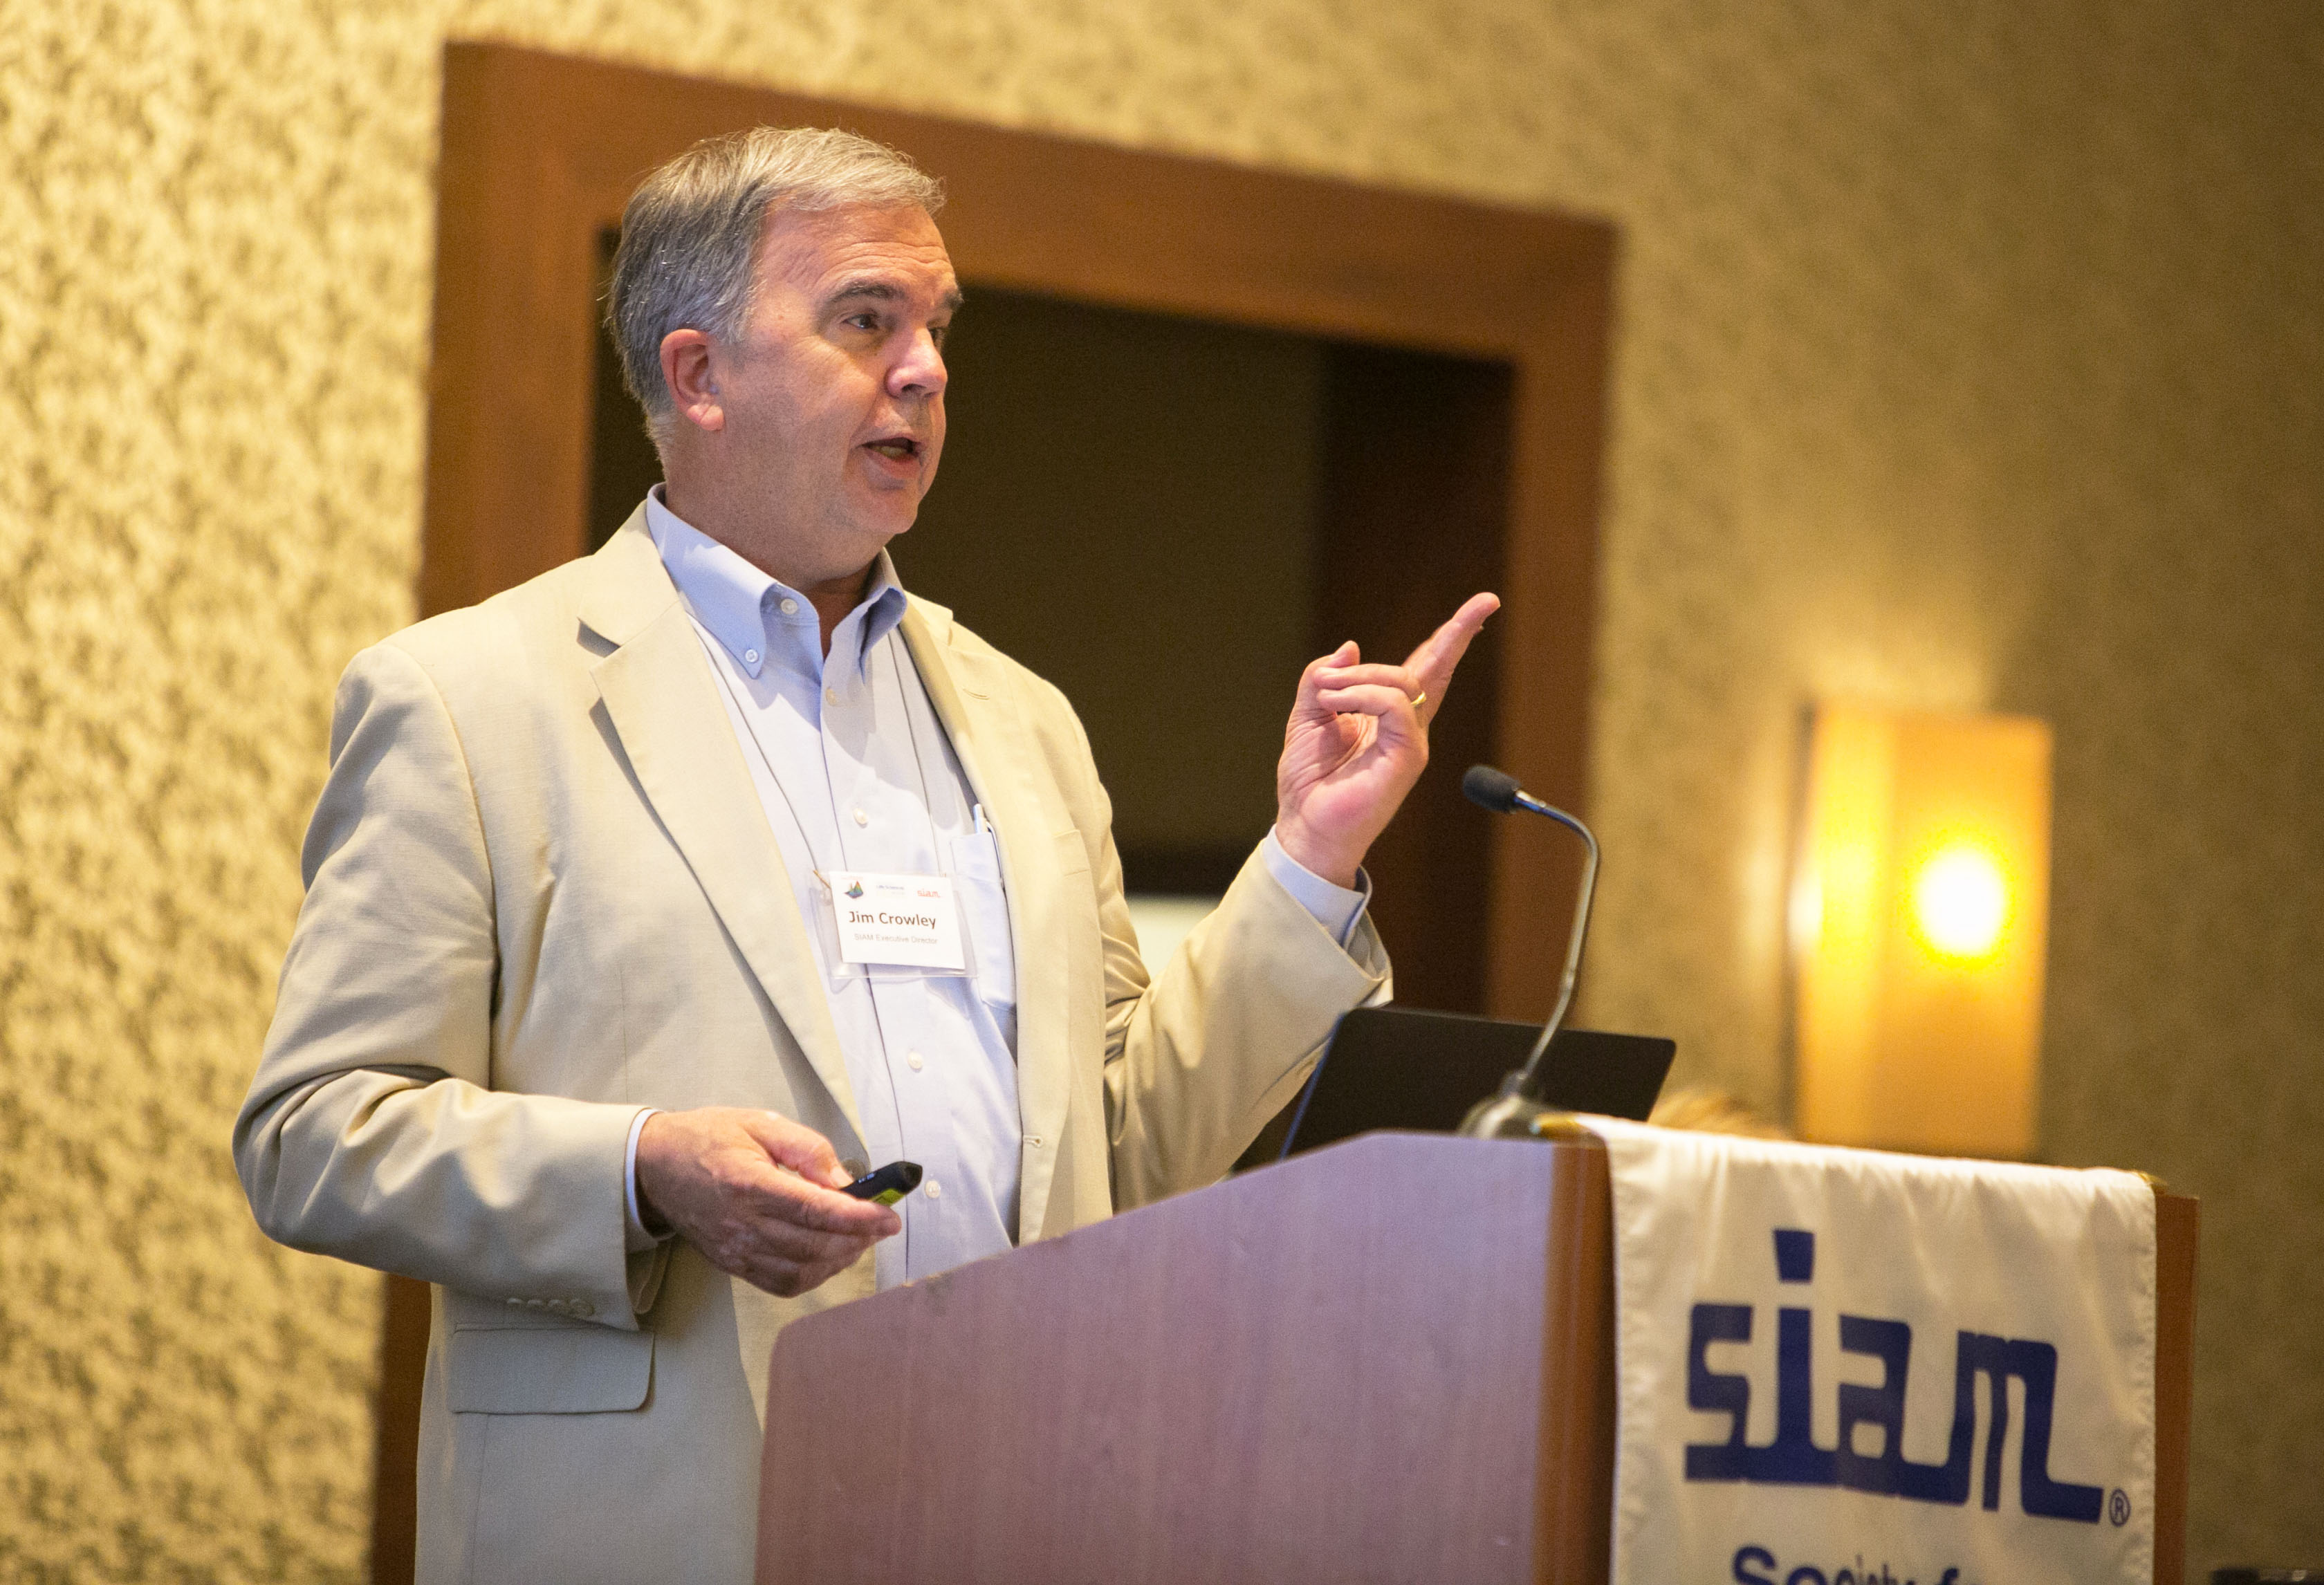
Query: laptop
{"points": [[1392, 1067]]}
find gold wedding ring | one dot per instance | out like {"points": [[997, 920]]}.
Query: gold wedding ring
{"points": [[1423, 699]]}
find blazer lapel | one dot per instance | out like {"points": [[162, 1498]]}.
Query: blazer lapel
{"points": [[663, 704], [968, 700]]}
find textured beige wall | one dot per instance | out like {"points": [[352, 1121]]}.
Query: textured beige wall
{"points": [[1970, 356]]}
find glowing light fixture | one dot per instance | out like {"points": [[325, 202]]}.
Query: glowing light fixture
{"points": [[1919, 920], [1960, 901]]}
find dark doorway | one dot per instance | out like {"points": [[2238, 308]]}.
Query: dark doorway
{"points": [[1168, 518], [622, 465]]}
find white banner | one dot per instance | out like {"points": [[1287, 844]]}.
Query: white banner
{"points": [[1850, 1367]]}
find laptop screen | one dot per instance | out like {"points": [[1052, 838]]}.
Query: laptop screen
{"points": [[1391, 1067]]}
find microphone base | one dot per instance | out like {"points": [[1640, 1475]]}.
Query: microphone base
{"points": [[1511, 1116]]}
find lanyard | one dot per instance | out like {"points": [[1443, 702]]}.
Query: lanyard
{"points": [[911, 737]]}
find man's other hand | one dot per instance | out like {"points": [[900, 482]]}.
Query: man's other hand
{"points": [[759, 1195], [1358, 740]]}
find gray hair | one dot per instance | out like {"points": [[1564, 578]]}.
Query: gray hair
{"points": [[690, 235]]}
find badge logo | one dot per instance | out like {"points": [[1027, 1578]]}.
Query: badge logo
{"points": [[855, 888]]}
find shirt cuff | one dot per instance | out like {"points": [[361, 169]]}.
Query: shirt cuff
{"points": [[1334, 907], [637, 1237]]}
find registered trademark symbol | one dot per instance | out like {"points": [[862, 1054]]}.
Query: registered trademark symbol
{"points": [[2119, 1506]]}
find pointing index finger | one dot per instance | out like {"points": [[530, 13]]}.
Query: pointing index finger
{"points": [[1441, 651]]}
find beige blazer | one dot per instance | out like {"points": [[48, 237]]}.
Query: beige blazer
{"points": [[541, 894]]}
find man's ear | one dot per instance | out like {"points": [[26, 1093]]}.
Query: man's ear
{"points": [[692, 385]]}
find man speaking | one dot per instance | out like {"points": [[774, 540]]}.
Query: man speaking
{"points": [[651, 901]]}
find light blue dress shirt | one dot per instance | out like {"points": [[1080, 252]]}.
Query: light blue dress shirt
{"points": [[855, 773]]}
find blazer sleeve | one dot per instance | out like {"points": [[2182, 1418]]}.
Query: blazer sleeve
{"points": [[1201, 1054], [371, 1131]]}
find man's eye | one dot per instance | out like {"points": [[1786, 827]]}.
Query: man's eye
{"points": [[864, 321]]}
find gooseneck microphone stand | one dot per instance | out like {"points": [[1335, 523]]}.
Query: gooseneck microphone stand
{"points": [[1518, 1113]]}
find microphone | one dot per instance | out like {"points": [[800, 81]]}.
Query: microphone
{"points": [[1517, 1112], [1499, 791]]}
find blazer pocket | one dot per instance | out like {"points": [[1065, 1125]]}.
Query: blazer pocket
{"points": [[548, 1370]]}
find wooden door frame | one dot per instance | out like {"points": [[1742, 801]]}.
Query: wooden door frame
{"points": [[540, 152]]}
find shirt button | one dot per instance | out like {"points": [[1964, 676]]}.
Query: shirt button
{"points": [[790, 608], [862, 818], [936, 1190], [830, 695], [917, 1061], [750, 657]]}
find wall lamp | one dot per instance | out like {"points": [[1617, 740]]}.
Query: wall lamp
{"points": [[1919, 922]]}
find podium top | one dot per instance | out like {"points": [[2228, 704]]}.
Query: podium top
{"points": [[1389, 1360], [1368, 1362]]}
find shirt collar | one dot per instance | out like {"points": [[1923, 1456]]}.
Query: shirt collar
{"points": [[742, 607]]}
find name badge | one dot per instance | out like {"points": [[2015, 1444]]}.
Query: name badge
{"points": [[899, 921]]}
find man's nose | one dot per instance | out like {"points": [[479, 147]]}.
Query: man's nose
{"points": [[920, 371]]}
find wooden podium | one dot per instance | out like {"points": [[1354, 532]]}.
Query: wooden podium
{"points": [[1389, 1360]]}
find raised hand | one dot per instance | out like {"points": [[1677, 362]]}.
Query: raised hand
{"points": [[1358, 740]]}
